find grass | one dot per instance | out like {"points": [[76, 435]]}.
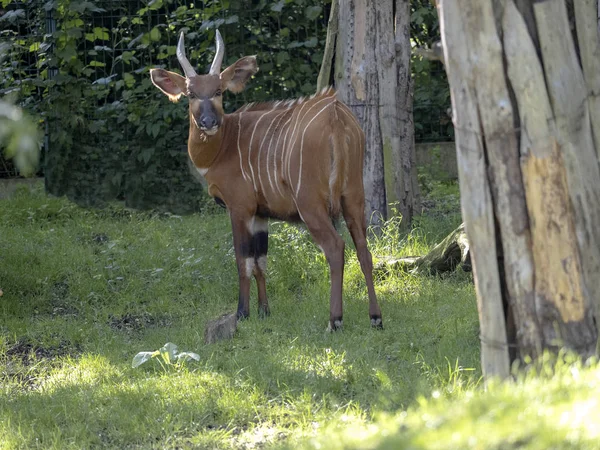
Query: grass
{"points": [[85, 290]]}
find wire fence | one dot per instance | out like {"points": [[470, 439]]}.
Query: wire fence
{"points": [[114, 42]]}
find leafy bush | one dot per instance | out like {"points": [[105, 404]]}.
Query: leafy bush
{"points": [[112, 134]]}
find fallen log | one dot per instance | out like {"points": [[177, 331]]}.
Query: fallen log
{"points": [[446, 256]]}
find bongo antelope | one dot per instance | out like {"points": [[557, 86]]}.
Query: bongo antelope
{"points": [[292, 160]]}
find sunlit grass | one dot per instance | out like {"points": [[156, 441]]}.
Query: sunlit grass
{"points": [[559, 408], [85, 290]]}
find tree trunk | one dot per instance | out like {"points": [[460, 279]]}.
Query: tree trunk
{"points": [[372, 76], [357, 82], [404, 162], [528, 169], [324, 79]]}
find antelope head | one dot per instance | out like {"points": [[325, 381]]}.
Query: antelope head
{"points": [[205, 91]]}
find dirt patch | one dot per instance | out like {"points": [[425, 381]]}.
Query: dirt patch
{"points": [[29, 353], [24, 363], [137, 322]]}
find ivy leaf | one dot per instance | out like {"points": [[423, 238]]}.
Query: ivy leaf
{"points": [[313, 12], [282, 57], [155, 4], [13, 16], [278, 7], [104, 81], [80, 7], [129, 79], [155, 34], [155, 130], [147, 154], [312, 42]]}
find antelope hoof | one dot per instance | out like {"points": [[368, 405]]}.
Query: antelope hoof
{"points": [[377, 322], [335, 325], [241, 315], [264, 312]]}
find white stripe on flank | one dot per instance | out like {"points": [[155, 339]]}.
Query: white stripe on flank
{"points": [[289, 148], [238, 146], [352, 117], [260, 147], [298, 209], [280, 117], [357, 129], [281, 152], [289, 163], [302, 145], [283, 148], [250, 149]]}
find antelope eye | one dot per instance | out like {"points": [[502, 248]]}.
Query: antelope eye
{"points": [[218, 93], [191, 95]]}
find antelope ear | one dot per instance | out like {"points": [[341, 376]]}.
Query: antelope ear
{"points": [[234, 78], [170, 83]]}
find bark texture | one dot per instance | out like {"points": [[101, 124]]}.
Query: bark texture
{"points": [[324, 78], [372, 76], [526, 137], [404, 163]]}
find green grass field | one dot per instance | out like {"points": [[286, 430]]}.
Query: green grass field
{"points": [[85, 290]]}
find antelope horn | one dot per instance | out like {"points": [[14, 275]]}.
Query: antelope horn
{"points": [[215, 68], [185, 64]]}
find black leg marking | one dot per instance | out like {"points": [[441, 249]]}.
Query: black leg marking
{"points": [[261, 243], [336, 324], [377, 322], [247, 248], [241, 314], [263, 312]]}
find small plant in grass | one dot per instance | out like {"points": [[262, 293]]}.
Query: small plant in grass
{"points": [[167, 356]]}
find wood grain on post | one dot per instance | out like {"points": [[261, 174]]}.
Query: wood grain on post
{"points": [[588, 37], [568, 97], [476, 199], [506, 183]]}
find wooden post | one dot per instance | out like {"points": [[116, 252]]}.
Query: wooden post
{"points": [[476, 201], [528, 168]]}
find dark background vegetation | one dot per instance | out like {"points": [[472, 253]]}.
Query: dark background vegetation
{"points": [[81, 68]]}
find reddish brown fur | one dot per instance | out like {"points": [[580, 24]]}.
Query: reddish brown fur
{"points": [[295, 159]]}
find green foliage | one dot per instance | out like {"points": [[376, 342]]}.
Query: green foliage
{"points": [[431, 90], [112, 134], [167, 356], [20, 138]]}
